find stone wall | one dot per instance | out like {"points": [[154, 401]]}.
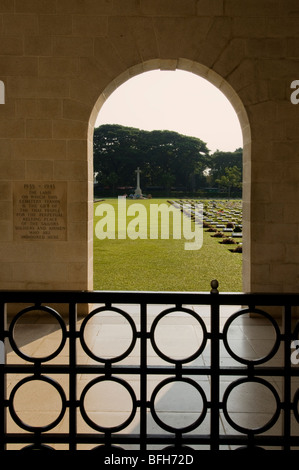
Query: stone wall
{"points": [[60, 60]]}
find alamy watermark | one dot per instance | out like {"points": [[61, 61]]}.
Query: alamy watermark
{"points": [[137, 221], [295, 94], [2, 92], [295, 353]]}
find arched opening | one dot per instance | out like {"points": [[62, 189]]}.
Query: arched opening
{"points": [[229, 93]]}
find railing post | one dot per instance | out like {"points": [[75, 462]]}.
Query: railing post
{"points": [[214, 367], [2, 376], [143, 376], [72, 376]]}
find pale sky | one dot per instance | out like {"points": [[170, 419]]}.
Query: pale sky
{"points": [[177, 101]]}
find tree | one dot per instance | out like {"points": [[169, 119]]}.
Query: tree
{"points": [[222, 160], [165, 158], [231, 180]]}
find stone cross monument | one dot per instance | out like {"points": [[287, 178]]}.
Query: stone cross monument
{"points": [[138, 191]]}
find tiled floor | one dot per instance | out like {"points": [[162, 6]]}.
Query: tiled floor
{"points": [[177, 335]]}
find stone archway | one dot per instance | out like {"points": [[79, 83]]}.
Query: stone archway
{"points": [[215, 79]]}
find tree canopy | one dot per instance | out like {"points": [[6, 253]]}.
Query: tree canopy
{"points": [[166, 159]]}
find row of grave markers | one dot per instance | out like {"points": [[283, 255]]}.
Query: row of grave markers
{"points": [[223, 219]]}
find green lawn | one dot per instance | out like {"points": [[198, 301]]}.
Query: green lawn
{"points": [[163, 265]]}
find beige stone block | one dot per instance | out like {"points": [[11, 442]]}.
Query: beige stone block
{"points": [[39, 128], [268, 47], [77, 232], [98, 7], [286, 233], [5, 271], [70, 251], [256, 92], [20, 25], [49, 108], [274, 212], [67, 129], [5, 232], [285, 27], [76, 272], [291, 129], [12, 128], [285, 192], [290, 212], [77, 211], [68, 170], [108, 57], [230, 57], [266, 132], [94, 77], [76, 150], [144, 35], [77, 191], [121, 37], [41, 273], [292, 253], [55, 25], [72, 46], [263, 112], [261, 273], [39, 149], [11, 46], [285, 151], [277, 90], [42, 109], [243, 76], [90, 25], [128, 8], [58, 67], [268, 252], [218, 36], [168, 7], [40, 252], [249, 27], [38, 6], [5, 211], [189, 34], [8, 111], [11, 252], [76, 110], [82, 91], [210, 7], [12, 170], [252, 8], [5, 191], [39, 170], [261, 192], [6, 6], [31, 87], [38, 45], [268, 172], [281, 69]]}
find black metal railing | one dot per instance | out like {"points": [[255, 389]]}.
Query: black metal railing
{"points": [[144, 372]]}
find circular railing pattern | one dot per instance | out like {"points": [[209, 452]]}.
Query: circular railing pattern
{"points": [[202, 403], [18, 350], [86, 414], [177, 376], [155, 326], [88, 349], [275, 412], [244, 360], [31, 381]]}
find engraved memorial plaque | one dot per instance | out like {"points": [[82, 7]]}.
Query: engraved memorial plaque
{"points": [[40, 211]]}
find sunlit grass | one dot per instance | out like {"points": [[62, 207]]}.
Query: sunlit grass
{"points": [[163, 265]]}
